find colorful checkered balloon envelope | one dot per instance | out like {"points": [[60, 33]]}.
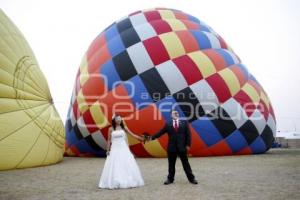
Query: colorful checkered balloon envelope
{"points": [[154, 60]]}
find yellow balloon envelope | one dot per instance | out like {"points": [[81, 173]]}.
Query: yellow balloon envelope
{"points": [[31, 131]]}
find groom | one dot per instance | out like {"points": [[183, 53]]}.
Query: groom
{"points": [[178, 145]]}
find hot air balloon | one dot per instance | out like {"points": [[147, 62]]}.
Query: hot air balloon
{"points": [[151, 61], [31, 131]]}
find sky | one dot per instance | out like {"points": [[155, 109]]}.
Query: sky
{"points": [[265, 34]]}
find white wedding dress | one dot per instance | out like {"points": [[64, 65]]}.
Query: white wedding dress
{"points": [[120, 169]]}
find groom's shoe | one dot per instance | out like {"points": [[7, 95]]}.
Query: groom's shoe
{"points": [[168, 182], [194, 181]]}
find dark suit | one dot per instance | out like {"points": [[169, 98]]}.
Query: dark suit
{"points": [[178, 141]]}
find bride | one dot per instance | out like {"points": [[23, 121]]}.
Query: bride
{"points": [[120, 168]]}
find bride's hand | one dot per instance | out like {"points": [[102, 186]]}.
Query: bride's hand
{"points": [[141, 139]]}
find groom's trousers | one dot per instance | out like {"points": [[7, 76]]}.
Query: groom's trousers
{"points": [[172, 157]]}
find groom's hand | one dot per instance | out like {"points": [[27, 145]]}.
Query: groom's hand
{"points": [[188, 148], [146, 137]]}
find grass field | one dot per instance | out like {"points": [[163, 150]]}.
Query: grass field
{"points": [[274, 175]]}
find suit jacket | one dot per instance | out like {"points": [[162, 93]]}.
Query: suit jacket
{"points": [[177, 140]]}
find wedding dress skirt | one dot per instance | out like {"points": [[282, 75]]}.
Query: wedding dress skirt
{"points": [[120, 169]]}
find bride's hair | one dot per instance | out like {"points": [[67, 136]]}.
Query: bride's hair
{"points": [[114, 122]]}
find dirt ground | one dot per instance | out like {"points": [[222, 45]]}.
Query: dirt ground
{"points": [[274, 175]]}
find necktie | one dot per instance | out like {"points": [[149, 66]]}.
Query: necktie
{"points": [[176, 125]]}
